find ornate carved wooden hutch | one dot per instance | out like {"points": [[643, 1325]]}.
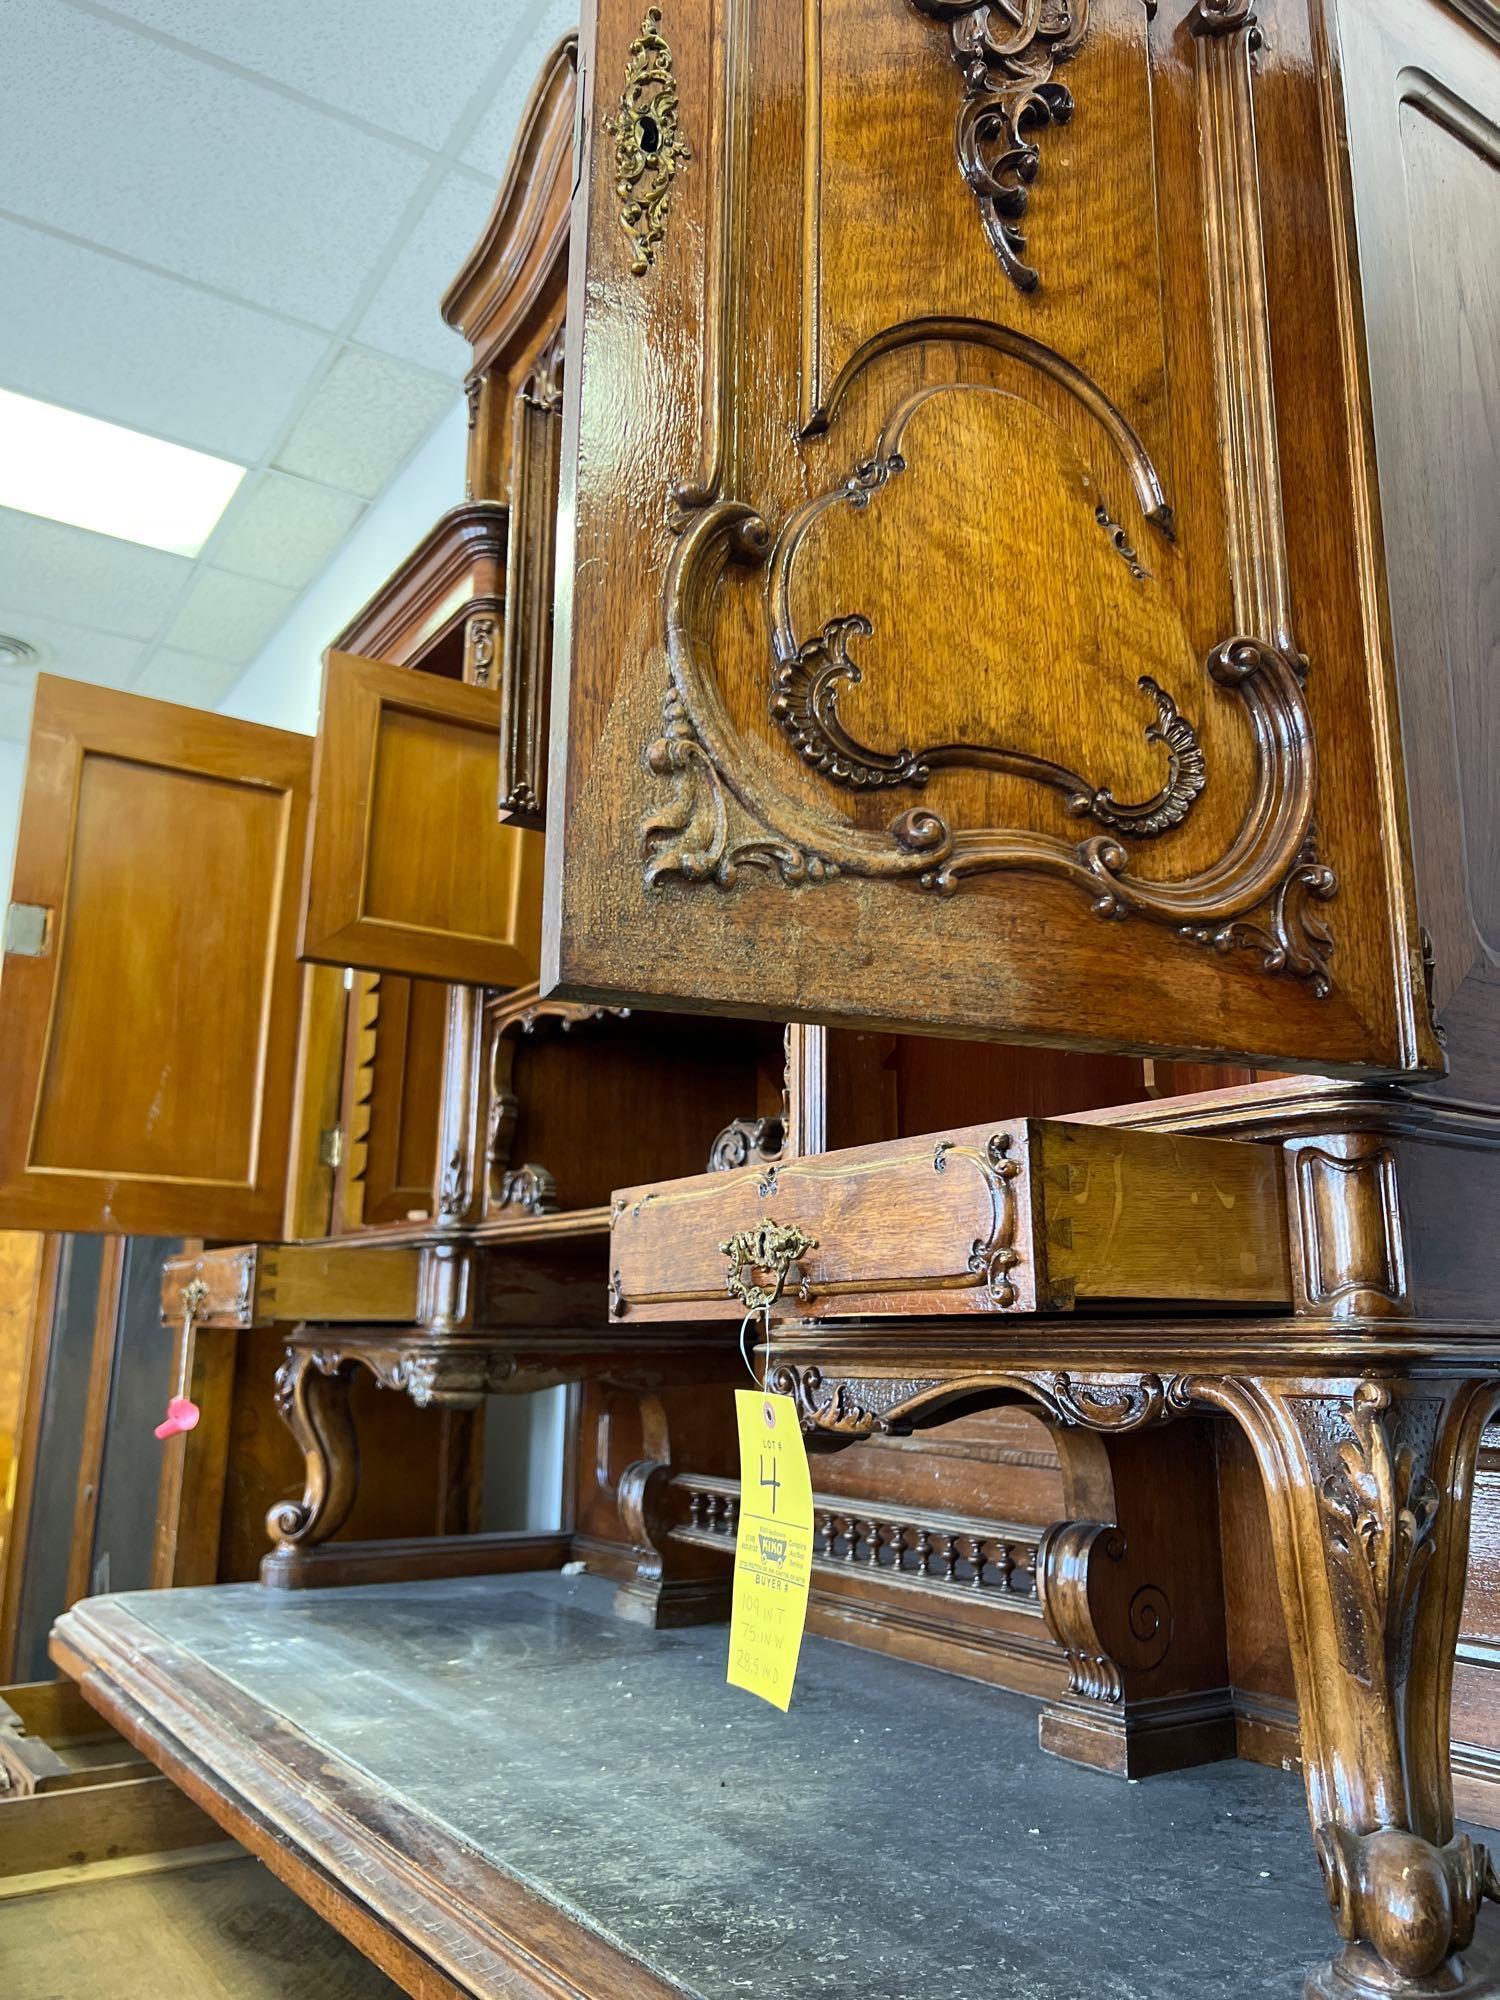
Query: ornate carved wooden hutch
{"points": [[1033, 583], [1021, 615]]}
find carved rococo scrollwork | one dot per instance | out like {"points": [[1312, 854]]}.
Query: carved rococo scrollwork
{"points": [[1007, 51], [993, 1258], [805, 697], [857, 1406], [531, 1189], [746, 1142], [722, 818]]}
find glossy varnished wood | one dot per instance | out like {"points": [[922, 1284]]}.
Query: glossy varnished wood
{"points": [[151, 1047], [407, 870], [837, 360]]}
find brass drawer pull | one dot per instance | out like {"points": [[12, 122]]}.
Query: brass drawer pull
{"points": [[767, 1247]]}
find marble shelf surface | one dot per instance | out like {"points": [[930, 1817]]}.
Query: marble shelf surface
{"points": [[898, 1836]]}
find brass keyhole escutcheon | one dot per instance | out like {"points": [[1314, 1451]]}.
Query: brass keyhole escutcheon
{"points": [[770, 1247]]}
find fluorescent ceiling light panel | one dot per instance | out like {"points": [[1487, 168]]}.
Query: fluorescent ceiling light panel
{"points": [[111, 480]]}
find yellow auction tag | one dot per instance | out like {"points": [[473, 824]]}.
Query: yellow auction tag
{"points": [[773, 1550]]}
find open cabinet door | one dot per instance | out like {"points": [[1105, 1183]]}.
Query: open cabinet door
{"points": [[408, 868], [150, 993], [968, 585]]}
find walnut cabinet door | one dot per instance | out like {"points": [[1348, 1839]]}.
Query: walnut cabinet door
{"points": [[408, 869], [970, 595], [150, 995]]}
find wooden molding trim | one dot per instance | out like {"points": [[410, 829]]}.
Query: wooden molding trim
{"points": [[420, 1903], [412, 1558]]}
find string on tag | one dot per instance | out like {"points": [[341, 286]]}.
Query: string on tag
{"points": [[762, 1313], [182, 1412]]}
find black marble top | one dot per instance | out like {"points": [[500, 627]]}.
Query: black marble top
{"points": [[898, 1836]]}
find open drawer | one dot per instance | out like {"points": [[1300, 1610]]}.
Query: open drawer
{"points": [[256, 1284], [1026, 1215]]}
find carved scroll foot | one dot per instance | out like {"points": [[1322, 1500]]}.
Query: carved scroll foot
{"points": [[674, 1583], [312, 1398], [1131, 1590], [1368, 1483]]}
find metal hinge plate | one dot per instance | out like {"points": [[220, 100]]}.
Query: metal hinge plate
{"points": [[28, 930], [331, 1146]]}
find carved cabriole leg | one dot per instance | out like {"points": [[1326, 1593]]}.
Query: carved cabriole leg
{"points": [[675, 1583], [1131, 1590], [312, 1396], [1368, 1484]]}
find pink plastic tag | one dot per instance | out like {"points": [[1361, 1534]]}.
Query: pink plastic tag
{"points": [[181, 1416]]}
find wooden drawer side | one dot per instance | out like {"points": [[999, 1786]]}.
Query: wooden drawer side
{"points": [[1021, 1216]]}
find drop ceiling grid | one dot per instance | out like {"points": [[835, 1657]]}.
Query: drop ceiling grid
{"points": [[229, 227]]}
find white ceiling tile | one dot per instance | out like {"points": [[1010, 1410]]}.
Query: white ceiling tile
{"points": [[15, 710], [113, 136], [489, 144], [183, 677], [227, 617], [84, 655], [364, 420], [116, 586], [402, 67], [283, 529], [87, 330], [403, 317]]}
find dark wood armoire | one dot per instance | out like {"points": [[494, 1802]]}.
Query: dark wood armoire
{"points": [[1018, 605]]}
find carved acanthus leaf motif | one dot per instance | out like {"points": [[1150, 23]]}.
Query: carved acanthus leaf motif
{"points": [[479, 638], [1379, 1510], [1293, 938], [648, 147], [453, 1188], [1007, 51], [804, 700]]}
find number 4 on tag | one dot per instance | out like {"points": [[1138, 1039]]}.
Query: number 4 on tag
{"points": [[773, 1549]]}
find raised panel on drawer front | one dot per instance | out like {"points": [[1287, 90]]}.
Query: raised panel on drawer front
{"points": [[930, 599], [1026, 1215], [408, 868]]}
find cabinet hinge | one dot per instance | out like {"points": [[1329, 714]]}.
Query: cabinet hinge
{"points": [[28, 930], [331, 1146]]}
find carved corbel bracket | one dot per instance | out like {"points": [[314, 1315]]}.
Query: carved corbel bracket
{"points": [[1006, 52], [747, 1142], [1067, 1557]]}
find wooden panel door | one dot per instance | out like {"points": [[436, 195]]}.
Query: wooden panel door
{"points": [[969, 599], [150, 993], [408, 869], [1422, 93]]}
